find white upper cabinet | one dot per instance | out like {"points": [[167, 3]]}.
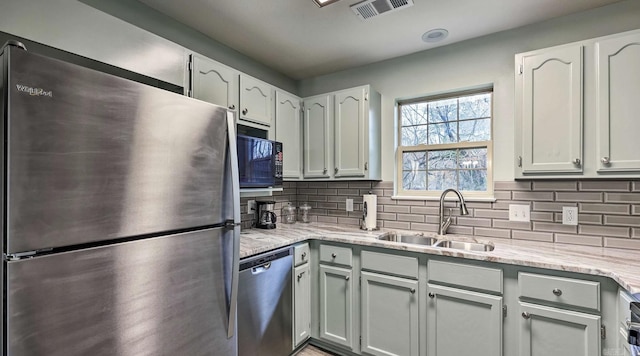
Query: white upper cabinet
{"points": [[349, 139], [550, 108], [618, 91], [317, 135], [214, 82], [575, 109], [289, 132], [256, 100]]}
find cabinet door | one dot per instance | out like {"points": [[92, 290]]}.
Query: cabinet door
{"points": [[288, 131], [462, 322], [317, 116], [618, 91], [389, 315], [256, 100], [302, 303], [546, 331], [335, 305], [350, 127], [214, 82], [552, 111]]}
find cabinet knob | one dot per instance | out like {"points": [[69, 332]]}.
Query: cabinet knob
{"points": [[300, 276], [304, 255], [605, 160], [366, 166], [412, 290], [557, 292], [333, 255], [346, 278], [245, 111], [577, 162], [232, 107], [335, 170], [526, 315], [432, 295], [324, 171]]}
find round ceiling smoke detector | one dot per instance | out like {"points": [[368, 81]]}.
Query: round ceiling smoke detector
{"points": [[435, 35]]}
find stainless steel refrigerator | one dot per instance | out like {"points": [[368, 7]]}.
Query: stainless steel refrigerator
{"points": [[120, 208]]}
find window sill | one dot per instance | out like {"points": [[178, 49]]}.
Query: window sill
{"points": [[489, 199]]}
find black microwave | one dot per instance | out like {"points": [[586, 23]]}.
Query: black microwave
{"points": [[259, 162]]}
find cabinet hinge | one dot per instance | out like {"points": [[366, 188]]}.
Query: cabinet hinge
{"points": [[504, 311], [603, 332], [360, 282], [521, 69], [519, 161]]}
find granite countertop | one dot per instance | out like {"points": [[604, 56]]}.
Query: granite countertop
{"points": [[623, 266]]}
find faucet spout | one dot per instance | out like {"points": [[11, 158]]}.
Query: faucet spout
{"points": [[443, 225]]}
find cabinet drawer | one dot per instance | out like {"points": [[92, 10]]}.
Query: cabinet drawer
{"points": [[567, 291], [336, 254], [301, 254], [624, 313], [390, 264], [465, 276]]}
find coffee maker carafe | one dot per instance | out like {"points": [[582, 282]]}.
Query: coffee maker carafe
{"points": [[266, 218]]}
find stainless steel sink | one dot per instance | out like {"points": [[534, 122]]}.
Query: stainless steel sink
{"points": [[466, 246], [409, 239]]}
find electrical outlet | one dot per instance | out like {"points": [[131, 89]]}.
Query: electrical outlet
{"points": [[519, 212], [251, 207], [349, 204], [570, 215]]}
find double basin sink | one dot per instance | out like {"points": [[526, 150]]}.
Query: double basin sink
{"points": [[436, 242]]}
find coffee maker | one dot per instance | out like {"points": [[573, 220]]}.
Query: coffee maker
{"points": [[265, 217]]}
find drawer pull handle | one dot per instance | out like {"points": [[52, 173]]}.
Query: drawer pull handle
{"points": [[304, 255], [412, 290], [526, 315], [333, 255], [300, 276], [432, 295], [557, 292], [346, 278]]}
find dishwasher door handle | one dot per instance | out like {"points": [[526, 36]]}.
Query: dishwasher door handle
{"points": [[260, 269]]}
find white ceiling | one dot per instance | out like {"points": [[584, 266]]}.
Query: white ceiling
{"points": [[300, 40]]}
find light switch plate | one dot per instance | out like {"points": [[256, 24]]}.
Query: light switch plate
{"points": [[570, 215], [519, 212], [349, 204]]}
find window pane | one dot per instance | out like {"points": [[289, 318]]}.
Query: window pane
{"points": [[475, 106], [441, 180], [414, 161], [445, 159], [443, 110], [475, 130], [443, 133], [474, 158], [414, 114], [414, 180], [414, 135], [473, 180]]}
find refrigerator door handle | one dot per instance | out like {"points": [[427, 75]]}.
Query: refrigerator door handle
{"points": [[235, 183]]}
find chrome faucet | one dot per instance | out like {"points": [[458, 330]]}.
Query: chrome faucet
{"points": [[444, 225]]}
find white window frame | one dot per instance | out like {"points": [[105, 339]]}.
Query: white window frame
{"points": [[400, 192]]}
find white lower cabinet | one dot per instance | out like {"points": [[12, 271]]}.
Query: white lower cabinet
{"points": [[336, 287], [548, 331], [461, 322], [302, 304], [389, 312]]}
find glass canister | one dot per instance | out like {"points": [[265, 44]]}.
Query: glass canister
{"points": [[304, 213], [288, 214]]}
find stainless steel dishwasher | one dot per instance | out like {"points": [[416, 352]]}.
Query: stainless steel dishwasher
{"points": [[265, 305]]}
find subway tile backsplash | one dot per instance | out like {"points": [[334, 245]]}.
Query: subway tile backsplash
{"points": [[609, 210]]}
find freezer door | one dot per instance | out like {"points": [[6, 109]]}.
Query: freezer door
{"points": [[94, 157], [161, 296]]}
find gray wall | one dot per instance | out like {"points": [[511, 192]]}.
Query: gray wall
{"points": [[481, 61]]}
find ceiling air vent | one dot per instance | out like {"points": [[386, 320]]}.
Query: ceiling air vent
{"points": [[370, 8]]}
